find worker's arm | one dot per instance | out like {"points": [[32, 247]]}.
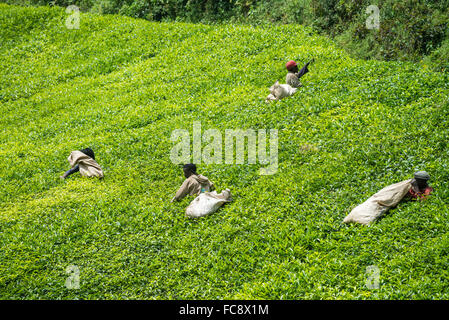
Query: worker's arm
{"points": [[304, 69], [71, 171], [182, 192]]}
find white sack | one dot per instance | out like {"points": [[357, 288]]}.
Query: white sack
{"points": [[379, 203], [280, 91], [270, 97], [207, 203]]}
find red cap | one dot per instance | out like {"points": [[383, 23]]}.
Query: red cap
{"points": [[291, 64]]}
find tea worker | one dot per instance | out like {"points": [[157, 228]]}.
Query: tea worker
{"points": [[194, 183], [420, 188], [84, 162], [389, 197], [293, 74]]}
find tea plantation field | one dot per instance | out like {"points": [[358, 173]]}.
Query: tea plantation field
{"points": [[121, 86]]}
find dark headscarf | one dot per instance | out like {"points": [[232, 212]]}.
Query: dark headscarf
{"points": [[88, 152], [190, 167]]}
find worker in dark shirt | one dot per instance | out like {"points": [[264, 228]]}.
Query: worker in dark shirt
{"points": [[420, 188]]}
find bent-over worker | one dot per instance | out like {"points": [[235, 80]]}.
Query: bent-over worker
{"points": [[194, 184]]}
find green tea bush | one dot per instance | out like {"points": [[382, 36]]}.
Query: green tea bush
{"points": [[409, 30], [121, 86]]}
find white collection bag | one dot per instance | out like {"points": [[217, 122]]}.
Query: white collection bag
{"points": [[379, 203], [207, 203], [280, 91]]}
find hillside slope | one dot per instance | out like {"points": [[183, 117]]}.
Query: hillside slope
{"points": [[121, 86]]}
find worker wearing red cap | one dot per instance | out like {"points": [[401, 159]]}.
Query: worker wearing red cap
{"points": [[293, 74]]}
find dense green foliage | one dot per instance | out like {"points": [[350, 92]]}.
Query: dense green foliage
{"points": [[409, 30], [121, 86]]}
